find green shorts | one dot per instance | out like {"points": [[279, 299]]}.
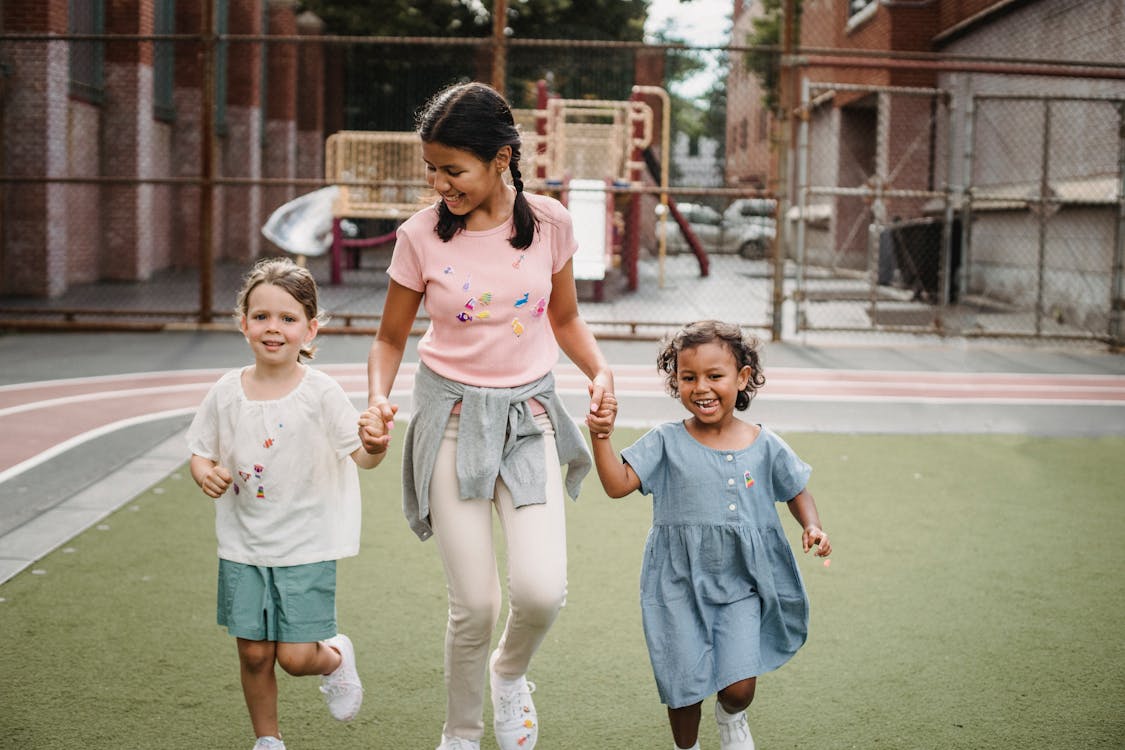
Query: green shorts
{"points": [[293, 604]]}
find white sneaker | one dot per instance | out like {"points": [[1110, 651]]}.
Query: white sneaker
{"points": [[734, 730], [269, 743], [513, 712], [456, 743], [342, 689]]}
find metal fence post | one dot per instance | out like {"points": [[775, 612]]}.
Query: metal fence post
{"points": [[206, 157], [1117, 285], [1044, 196]]}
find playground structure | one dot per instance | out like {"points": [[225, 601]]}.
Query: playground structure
{"points": [[586, 152]]}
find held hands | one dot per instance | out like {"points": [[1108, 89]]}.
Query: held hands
{"points": [[375, 426], [814, 536], [600, 421], [215, 482], [603, 406]]}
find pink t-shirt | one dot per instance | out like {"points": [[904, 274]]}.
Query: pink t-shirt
{"points": [[487, 300]]}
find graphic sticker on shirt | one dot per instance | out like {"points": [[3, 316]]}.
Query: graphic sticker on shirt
{"points": [[517, 327], [448, 270], [517, 261], [485, 300], [522, 300], [468, 283], [749, 480], [258, 470], [540, 306]]}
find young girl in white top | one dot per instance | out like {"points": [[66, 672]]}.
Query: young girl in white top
{"points": [[275, 444], [492, 265], [722, 600]]}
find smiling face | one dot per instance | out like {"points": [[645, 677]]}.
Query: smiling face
{"points": [[464, 182], [276, 325], [708, 380]]}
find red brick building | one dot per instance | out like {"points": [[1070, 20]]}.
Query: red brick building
{"points": [[102, 137]]}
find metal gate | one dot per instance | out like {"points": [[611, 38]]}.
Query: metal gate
{"points": [[874, 227], [1017, 233], [1043, 237]]}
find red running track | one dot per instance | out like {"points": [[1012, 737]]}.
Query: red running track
{"points": [[41, 419]]}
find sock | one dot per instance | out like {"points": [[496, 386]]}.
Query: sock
{"points": [[723, 715], [693, 747]]}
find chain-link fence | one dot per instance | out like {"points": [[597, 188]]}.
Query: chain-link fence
{"points": [[843, 179]]}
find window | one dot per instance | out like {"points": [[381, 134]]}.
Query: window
{"points": [[164, 62], [87, 57]]}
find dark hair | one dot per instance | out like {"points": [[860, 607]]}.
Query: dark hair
{"points": [[474, 117], [284, 274], [744, 347]]}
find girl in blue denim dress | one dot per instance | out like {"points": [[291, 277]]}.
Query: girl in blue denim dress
{"points": [[721, 597]]}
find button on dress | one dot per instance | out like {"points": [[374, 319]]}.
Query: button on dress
{"points": [[721, 596]]}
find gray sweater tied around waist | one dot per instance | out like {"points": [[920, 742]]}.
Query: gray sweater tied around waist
{"points": [[497, 437]]}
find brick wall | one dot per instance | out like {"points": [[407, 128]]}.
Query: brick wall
{"points": [[279, 147], [241, 144], [310, 102]]}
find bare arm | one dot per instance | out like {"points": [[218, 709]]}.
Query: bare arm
{"points": [[365, 460], [383, 361], [617, 477], [803, 508], [575, 339], [212, 478]]}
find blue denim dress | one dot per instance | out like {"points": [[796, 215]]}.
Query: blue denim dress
{"points": [[721, 596]]}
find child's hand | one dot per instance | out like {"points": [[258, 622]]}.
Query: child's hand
{"points": [[216, 481], [600, 422], [815, 536], [375, 426]]}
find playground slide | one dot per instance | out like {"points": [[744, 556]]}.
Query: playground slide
{"points": [[653, 163]]}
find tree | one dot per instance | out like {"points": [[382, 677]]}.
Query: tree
{"points": [[385, 84], [766, 38], [611, 20]]}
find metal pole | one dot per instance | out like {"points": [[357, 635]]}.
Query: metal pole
{"points": [[967, 195], [783, 189], [951, 196], [878, 204], [499, 44], [206, 159], [1044, 189], [665, 156], [802, 178], [1117, 285]]}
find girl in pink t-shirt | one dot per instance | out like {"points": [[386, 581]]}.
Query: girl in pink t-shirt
{"points": [[493, 267]]}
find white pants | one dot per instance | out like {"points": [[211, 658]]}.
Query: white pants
{"points": [[535, 537]]}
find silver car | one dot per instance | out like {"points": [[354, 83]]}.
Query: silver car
{"points": [[749, 235]]}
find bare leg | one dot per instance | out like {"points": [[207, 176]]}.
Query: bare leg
{"points": [[737, 696], [259, 685], [685, 724], [300, 659]]}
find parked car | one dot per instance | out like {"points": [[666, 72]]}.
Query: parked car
{"points": [[757, 216], [748, 235]]}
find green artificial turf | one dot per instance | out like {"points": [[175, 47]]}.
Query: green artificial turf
{"points": [[974, 600]]}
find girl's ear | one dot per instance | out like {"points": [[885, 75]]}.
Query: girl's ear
{"points": [[314, 326], [502, 158], [744, 376], [242, 324]]}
